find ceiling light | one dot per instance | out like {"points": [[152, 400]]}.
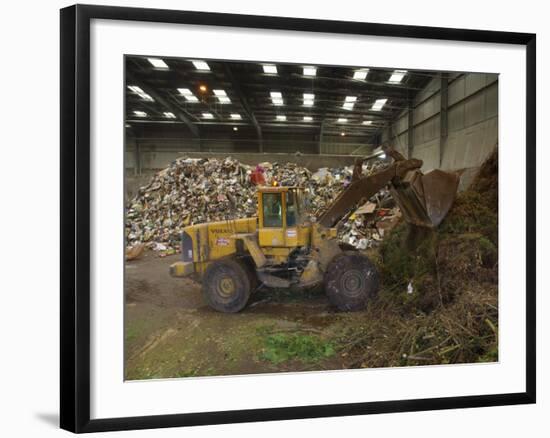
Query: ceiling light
{"points": [[378, 104], [281, 118], [309, 99], [157, 63], [222, 96], [270, 69], [207, 116], [235, 128], [140, 93], [203, 88], [397, 76], [310, 71], [360, 75], [236, 116], [367, 122], [201, 65], [349, 102], [342, 120], [189, 96], [276, 98], [140, 113], [308, 119], [169, 115], [343, 134]]}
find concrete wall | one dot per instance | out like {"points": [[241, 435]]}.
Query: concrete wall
{"points": [[460, 139], [158, 157], [154, 147], [310, 161]]}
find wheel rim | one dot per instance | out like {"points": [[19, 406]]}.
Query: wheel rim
{"points": [[352, 282], [226, 287]]}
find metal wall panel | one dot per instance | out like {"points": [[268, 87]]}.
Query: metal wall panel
{"points": [[129, 159], [401, 143], [492, 77], [456, 118], [475, 82], [472, 124], [433, 87], [427, 109], [470, 146], [491, 107], [457, 90], [429, 153], [401, 124], [474, 111], [344, 148]]}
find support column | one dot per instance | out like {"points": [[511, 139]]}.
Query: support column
{"points": [[321, 132], [260, 138], [137, 158], [410, 131], [443, 116]]}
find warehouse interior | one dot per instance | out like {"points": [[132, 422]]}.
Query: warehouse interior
{"points": [[327, 115], [209, 144]]}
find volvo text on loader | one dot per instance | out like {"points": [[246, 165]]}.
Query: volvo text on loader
{"points": [[282, 247]]}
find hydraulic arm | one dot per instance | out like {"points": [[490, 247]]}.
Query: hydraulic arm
{"points": [[423, 199]]}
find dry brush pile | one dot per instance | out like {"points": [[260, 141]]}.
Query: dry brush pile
{"points": [[439, 302]]}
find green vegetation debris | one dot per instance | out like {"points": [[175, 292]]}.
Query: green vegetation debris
{"points": [[282, 347]]}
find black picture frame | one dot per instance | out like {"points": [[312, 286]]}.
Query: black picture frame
{"points": [[75, 217]]}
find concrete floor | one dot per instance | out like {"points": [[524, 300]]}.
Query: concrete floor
{"points": [[170, 332]]}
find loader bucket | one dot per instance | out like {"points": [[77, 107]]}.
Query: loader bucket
{"points": [[425, 200]]}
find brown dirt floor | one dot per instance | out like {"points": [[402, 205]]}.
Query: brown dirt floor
{"points": [[171, 332]]}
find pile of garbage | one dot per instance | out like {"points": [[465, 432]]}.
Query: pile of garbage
{"points": [[367, 225], [192, 191], [189, 191]]}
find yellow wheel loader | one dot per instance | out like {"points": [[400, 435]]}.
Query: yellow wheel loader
{"points": [[283, 248]]}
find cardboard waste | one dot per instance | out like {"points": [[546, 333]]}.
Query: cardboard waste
{"points": [[192, 191]]}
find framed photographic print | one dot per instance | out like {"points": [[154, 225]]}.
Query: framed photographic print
{"points": [[271, 218]]}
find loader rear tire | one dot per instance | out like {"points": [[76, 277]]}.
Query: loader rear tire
{"points": [[250, 266], [351, 281], [226, 285]]}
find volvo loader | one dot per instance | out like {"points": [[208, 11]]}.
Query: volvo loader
{"points": [[284, 247]]}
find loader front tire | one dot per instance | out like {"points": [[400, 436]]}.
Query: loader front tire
{"points": [[351, 281], [226, 285]]}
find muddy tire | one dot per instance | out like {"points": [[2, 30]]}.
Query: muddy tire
{"points": [[248, 262], [351, 281], [226, 285]]}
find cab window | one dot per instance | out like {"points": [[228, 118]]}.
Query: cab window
{"points": [[273, 210], [291, 209]]}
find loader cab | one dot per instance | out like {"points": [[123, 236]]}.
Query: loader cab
{"points": [[281, 217]]}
